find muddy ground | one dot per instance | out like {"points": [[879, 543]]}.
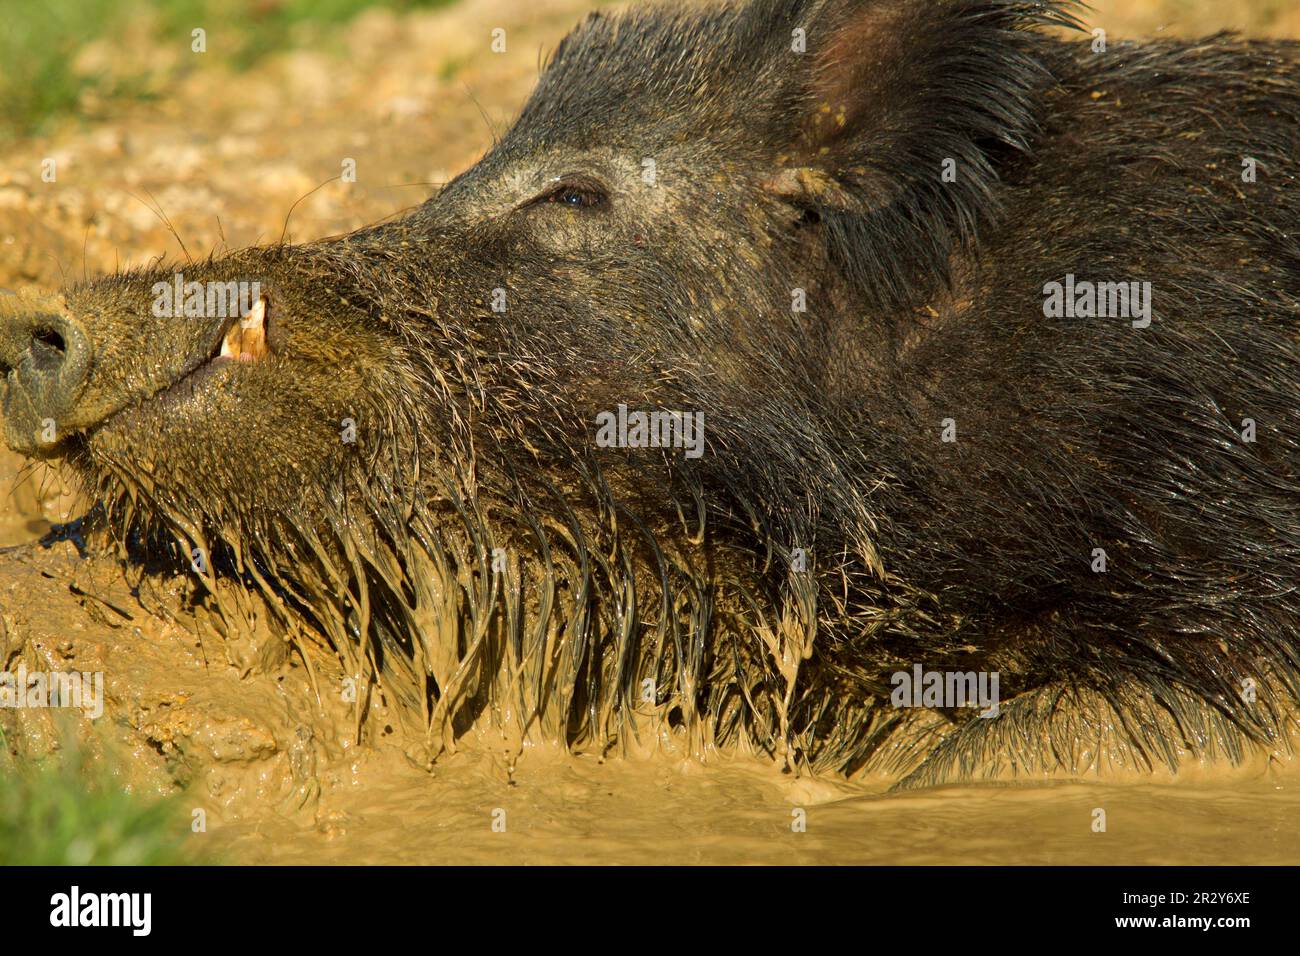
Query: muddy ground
{"points": [[277, 768]]}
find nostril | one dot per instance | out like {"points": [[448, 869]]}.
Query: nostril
{"points": [[42, 349], [48, 350], [51, 338]]}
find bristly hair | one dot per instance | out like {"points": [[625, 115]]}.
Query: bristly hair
{"points": [[639, 602], [902, 88], [963, 93]]}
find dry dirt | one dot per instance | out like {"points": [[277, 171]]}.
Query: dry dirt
{"points": [[278, 769]]}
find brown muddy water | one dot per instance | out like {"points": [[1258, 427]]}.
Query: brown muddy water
{"points": [[282, 781], [658, 812], [278, 774]]}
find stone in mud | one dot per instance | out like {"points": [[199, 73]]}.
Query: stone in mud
{"points": [[833, 231]]}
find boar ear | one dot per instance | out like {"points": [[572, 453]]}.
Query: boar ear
{"points": [[900, 116]]}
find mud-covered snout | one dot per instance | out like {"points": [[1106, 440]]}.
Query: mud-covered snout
{"points": [[45, 358]]}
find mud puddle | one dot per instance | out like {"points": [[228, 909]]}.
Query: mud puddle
{"points": [[563, 811]]}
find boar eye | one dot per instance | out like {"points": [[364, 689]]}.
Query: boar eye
{"points": [[576, 193], [575, 197]]}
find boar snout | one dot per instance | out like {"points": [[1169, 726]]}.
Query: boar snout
{"points": [[45, 357]]}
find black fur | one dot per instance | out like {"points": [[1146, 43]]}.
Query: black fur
{"points": [[778, 170]]}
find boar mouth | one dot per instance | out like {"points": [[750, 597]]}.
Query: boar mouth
{"points": [[61, 383], [242, 340]]}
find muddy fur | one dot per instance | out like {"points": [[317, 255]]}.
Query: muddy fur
{"points": [[646, 593]]}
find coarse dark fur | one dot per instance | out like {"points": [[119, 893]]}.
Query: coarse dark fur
{"points": [[645, 592]]}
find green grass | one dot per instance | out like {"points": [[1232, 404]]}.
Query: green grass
{"points": [[254, 28], [40, 40], [66, 810]]}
